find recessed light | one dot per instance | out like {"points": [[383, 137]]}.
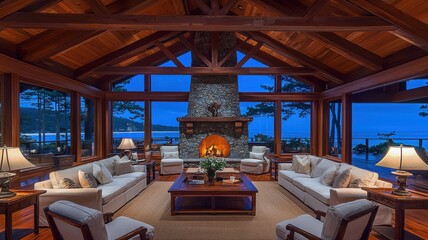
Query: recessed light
{"points": [[240, 7]]}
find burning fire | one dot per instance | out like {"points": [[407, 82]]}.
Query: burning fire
{"points": [[213, 151]]}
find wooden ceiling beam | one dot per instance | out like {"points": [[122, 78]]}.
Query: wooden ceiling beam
{"points": [[409, 28], [7, 48], [195, 51], [39, 5], [133, 70], [412, 69], [8, 7], [203, 6], [97, 6], [290, 8], [227, 7], [194, 23], [269, 60], [169, 54], [249, 54], [338, 44], [35, 49], [124, 53], [299, 57], [349, 50], [186, 6], [50, 43]]}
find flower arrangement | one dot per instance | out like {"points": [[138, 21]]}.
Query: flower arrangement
{"points": [[213, 108], [212, 164]]}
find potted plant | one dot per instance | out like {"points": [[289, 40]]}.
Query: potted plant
{"points": [[212, 164]]}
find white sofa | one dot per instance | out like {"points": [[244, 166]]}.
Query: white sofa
{"points": [[106, 198], [309, 190]]}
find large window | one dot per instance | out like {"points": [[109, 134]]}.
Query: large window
{"points": [[261, 129], [335, 129], [164, 121], [376, 126], [296, 127], [255, 83], [291, 85], [45, 123], [128, 122], [87, 124], [170, 83], [417, 83], [133, 84]]}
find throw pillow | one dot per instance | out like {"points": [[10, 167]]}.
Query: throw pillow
{"points": [[102, 174], [135, 156], [259, 156], [304, 165], [328, 176], [258, 149], [167, 155], [295, 163], [67, 183], [342, 180], [122, 167], [87, 180], [357, 183]]}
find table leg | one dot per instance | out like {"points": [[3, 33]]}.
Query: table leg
{"points": [[153, 171], [36, 216], [172, 204], [399, 223], [253, 201], [276, 170], [148, 174], [8, 223]]}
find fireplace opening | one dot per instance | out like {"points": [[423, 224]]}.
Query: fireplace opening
{"points": [[214, 146]]}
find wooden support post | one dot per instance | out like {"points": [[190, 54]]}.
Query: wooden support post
{"points": [[315, 126], [98, 128], [10, 107], [147, 114], [278, 118], [75, 126], [347, 128]]}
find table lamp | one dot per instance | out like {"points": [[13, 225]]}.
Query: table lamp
{"points": [[402, 158], [11, 159], [127, 144]]}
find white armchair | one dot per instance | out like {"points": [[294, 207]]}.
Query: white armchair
{"points": [[68, 220], [350, 221], [170, 161], [258, 162]]}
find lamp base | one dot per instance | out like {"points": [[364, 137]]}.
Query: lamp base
{"points": [[402, 183], [7, 194]]}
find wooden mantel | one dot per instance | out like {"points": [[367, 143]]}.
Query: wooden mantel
{"points": [[215, 119]]}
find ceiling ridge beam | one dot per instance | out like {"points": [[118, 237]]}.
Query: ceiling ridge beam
{"points": [[124, 53], [194, 23], [132, 70], [409, 28], [298, 57]]}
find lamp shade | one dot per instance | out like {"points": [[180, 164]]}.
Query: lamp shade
{"points": [[402, 158], [12, 159], [126, 144]]}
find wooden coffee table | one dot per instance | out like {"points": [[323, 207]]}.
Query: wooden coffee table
{"points": [[213, 198]]}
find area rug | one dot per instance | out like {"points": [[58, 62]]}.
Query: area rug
{"points": [[274, 204]]}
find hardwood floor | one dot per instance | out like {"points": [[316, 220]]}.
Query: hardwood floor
{"points": [[415, 219]]}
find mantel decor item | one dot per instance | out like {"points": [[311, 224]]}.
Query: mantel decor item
{"points": [[127, 144], [11, 159], [402, 158], [212, 164], [213, 108]]}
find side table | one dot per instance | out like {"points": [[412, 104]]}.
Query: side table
{"points": [[274, 165], [417, 200], [150, 166], [23, 199]]}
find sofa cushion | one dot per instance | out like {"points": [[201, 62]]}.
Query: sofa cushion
{"points": [[322, 166], [102, 174], [255, 155], [327, 178], [122, 167], [305, 221], [115, 188], [67, 183], [71, 173], [368, 178], [164, 149], [342, 179], [252, 162], [304, 165], [169, 155], [319, 191], [123, 225], [258, 149], [171, 162], [289, 175], [109, 163], [137, 175], [87, 180]]}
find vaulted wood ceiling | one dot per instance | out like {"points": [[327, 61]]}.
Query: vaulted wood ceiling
{"points": [[325, 42]]}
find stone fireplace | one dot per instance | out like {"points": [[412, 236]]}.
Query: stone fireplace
{"points": [[200, 130]]}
